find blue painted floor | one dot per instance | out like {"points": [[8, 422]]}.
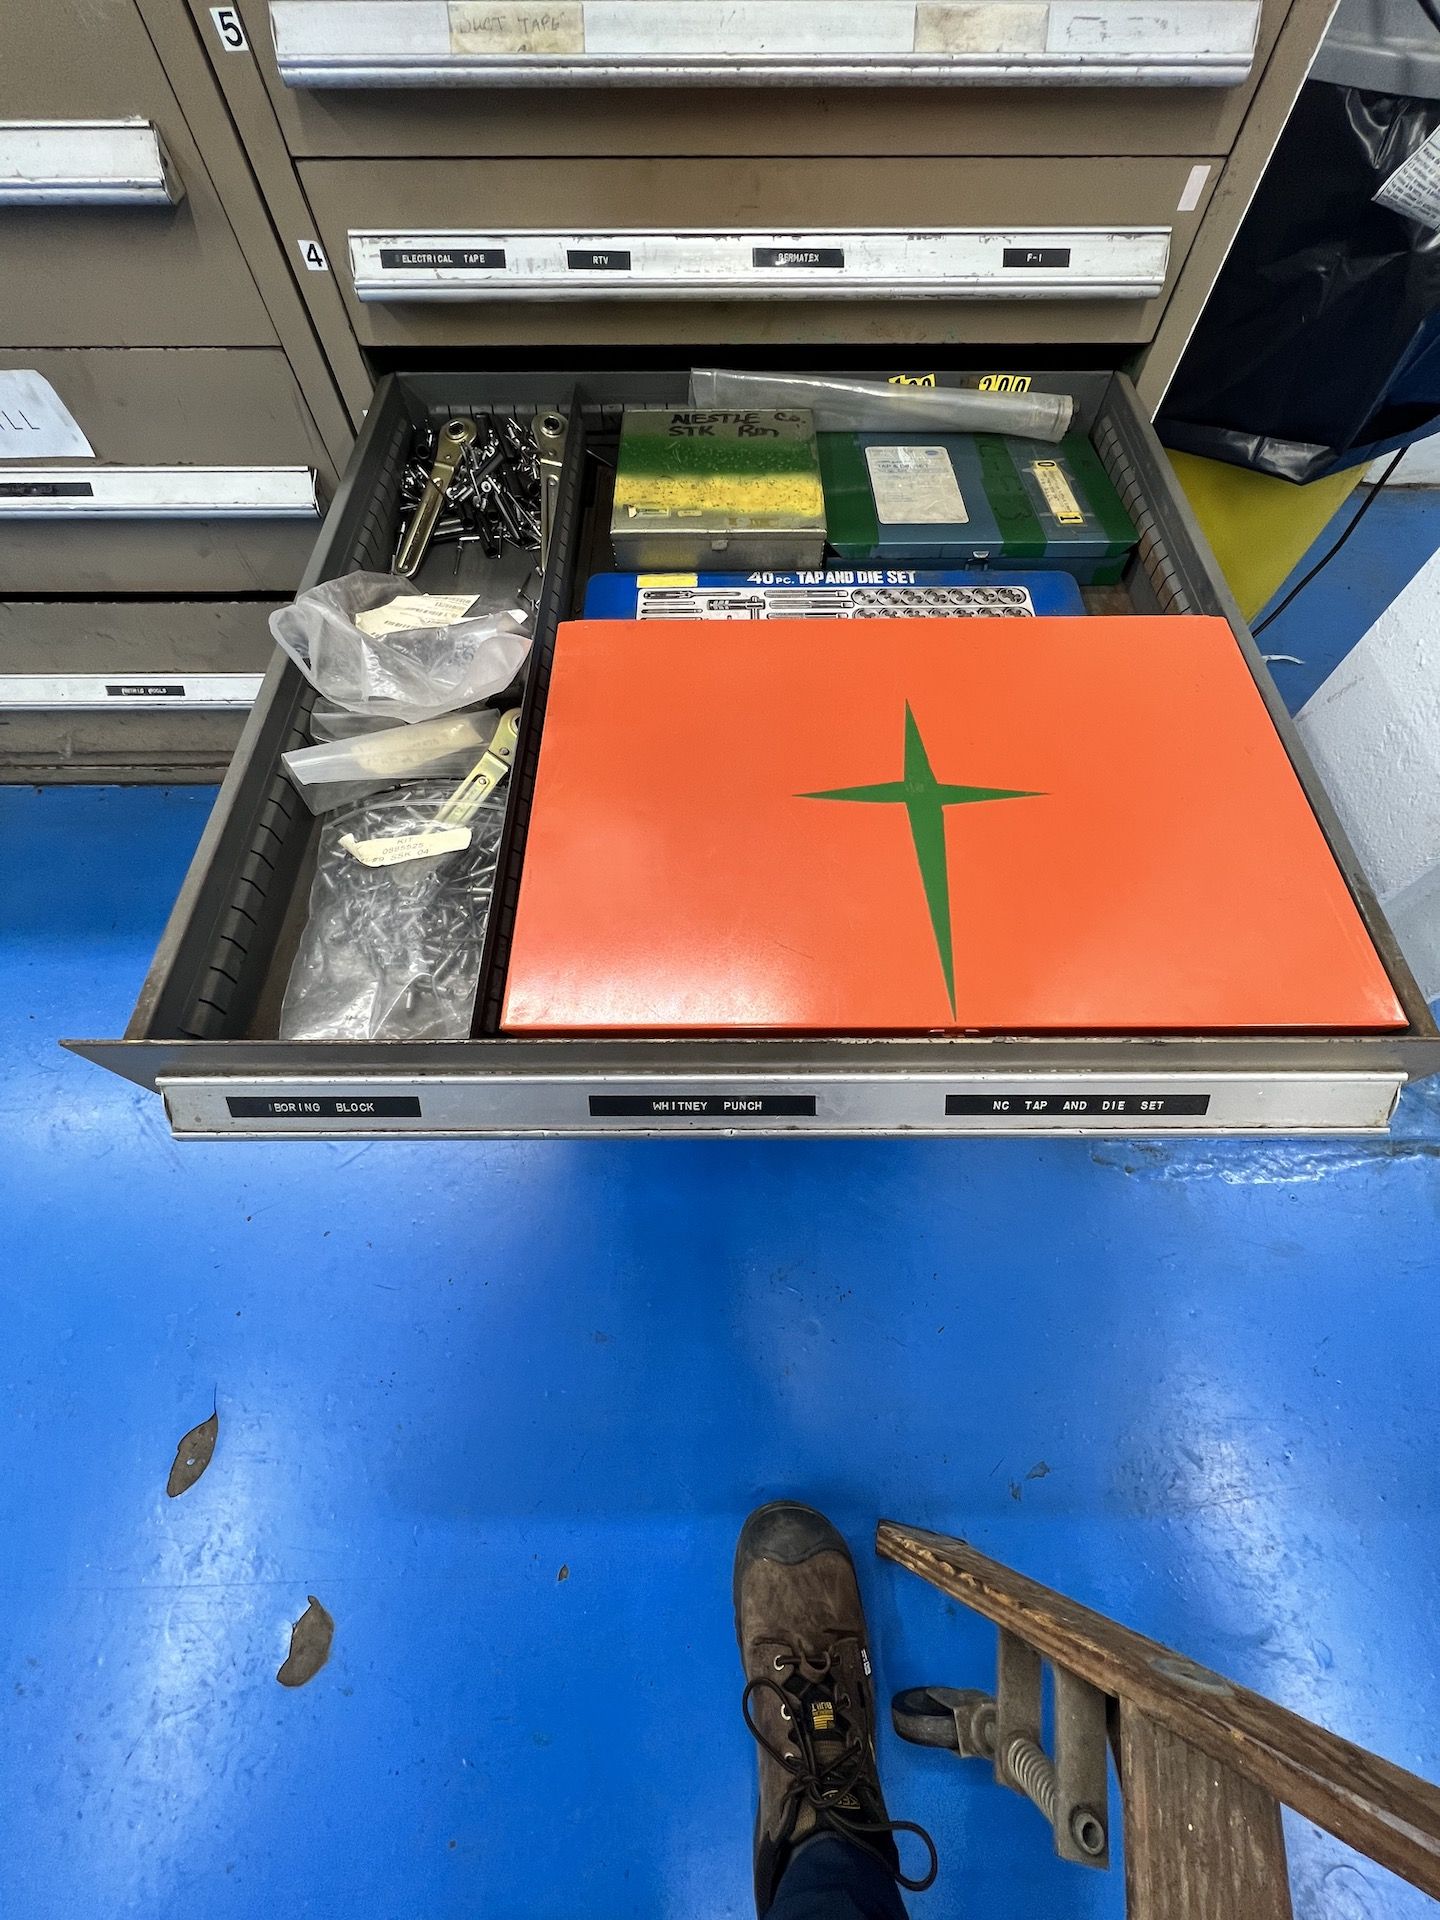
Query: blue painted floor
{"points": [[502, 1408]]}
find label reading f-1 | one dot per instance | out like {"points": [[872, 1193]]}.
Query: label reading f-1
{"points": [[1139, 1106], [1036, 257], [323, 1106], [797, 256], [402, 257], [698, 1106]]}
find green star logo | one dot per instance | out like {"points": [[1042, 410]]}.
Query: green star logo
{"points": [[925, 799]]}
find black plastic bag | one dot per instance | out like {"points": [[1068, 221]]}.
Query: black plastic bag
{"points": [[1320, 345]]}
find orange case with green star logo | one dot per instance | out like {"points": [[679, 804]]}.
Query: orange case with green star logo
{"points": [[902, 826]]}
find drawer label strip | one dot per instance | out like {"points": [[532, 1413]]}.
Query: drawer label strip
{"points": [[30, 492], [943, 263], [878, 1102], [378, 43], [109, 692]]}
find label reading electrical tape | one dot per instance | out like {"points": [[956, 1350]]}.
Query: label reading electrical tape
{"points": [[465, 257]]}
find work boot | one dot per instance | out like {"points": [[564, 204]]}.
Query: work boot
{"points": [[808, 1696]]}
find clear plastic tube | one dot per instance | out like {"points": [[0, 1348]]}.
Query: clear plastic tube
{"points": [[874, 406]]}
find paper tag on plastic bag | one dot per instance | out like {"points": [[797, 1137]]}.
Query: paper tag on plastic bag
{"points": [[399, 847], [411, 610], [1414, 187], [915, 486]]}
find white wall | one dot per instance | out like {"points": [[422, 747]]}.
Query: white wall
{"points": [[1374, 731]]}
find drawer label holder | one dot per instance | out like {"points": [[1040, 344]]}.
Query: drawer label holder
{"points": [[658, 43], [939, 263]]}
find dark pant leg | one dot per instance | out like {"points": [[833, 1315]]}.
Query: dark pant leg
{"points": [[832, 1879]]}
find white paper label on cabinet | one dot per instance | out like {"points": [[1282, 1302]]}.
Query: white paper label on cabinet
{"points": [[941, 26], [1414, 187], [503, 26], [1194, 187], [35, 423]]}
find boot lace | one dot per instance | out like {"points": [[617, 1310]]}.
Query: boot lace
{"points": [[823, 1780]]}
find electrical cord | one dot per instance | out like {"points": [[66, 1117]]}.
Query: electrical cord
{"points": [[1325, 559]]}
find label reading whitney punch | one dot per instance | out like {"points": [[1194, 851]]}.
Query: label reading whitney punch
{"points": [[700, 1106]]}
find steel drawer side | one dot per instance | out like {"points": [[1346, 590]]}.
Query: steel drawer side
{"points": [[208, 971]]}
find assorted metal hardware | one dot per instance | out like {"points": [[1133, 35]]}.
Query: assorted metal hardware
{"points": [[480, 483]]}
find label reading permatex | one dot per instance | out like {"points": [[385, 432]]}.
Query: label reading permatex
{"points": [[1059, 495], [915, 486]]}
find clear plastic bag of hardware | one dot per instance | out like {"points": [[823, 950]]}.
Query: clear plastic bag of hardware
{"points": [[335, 772], [393, 953], [411, 672]]}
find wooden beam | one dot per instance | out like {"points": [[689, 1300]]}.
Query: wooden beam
{"points": [[1201, 1843], [1380, 1809]]}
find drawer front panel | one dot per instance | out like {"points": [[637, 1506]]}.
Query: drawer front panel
{"points": [[642, 76], [649, 250], [127, 690], [207, 478], [110, 229]]}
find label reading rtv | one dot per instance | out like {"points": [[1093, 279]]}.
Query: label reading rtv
{"points": [[1138, 1106], [798, 256], [471, 257], [323, 1106], [598, 259], [699, 1106], [1036, 257]]}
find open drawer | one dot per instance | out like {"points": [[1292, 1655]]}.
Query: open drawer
{"points": [[204, 1030]]}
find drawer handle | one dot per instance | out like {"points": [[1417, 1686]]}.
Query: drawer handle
{"points": [[875, 43], [128, 692], [86, 163], [1090, 263], [30, 492]]}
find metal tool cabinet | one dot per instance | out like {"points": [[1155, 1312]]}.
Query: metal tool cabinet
{"points": [[372, 121], [142, 281], [203, 1030]]}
